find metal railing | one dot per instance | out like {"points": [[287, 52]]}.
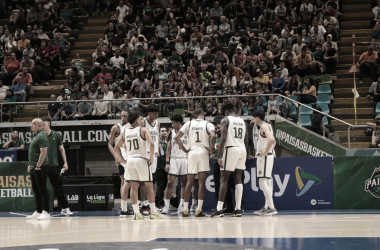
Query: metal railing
{"points": [[39, 103]]}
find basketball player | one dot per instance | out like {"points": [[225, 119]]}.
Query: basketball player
{"points": [[232, 147], [55, 142], [116, 131], [199, 132], [176, 163], [153, 126], [137, 163], [265, 157]]}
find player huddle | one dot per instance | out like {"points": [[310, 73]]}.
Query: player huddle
{"points": [[189, 148]]}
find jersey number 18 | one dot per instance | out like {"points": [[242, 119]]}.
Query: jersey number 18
{"points": [[238, 133]]}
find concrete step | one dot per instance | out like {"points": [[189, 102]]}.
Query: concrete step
{"points": [[25, 119], [351, 100], [87, 44], [44, 88], [356, 24], [369, 105], [88, 51], [356, 31], [352, 111], [97, 28], [91, 37], [361, 39], [40, 99], [357, 144], [101, 20], [352, 116], [356, 132], [349, 90], [352, 121], [349, 95]]}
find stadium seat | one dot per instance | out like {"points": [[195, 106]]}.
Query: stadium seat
{"points": [[293, 97], [179, 111], [305, 121], [310, 76], [326, 79], [279, 100], [245, 110], [293, 108], [306, 111], [323, 99], [324, 107], [377, 110], [260, 108], [265, 103], [326, 121], [324, 89]]}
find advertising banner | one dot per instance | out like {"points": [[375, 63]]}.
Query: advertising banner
{"points": [[16, 192], [303, 142], [8, 155], [298, 183], [357, 182]]}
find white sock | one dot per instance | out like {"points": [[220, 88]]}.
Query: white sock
{"points": [[268, 193], [186, 205], [124, 205], [194, 201], [181, 202], [271, 187], [136, 209], [146, 203], [200, 204], [238, 196], [152, 207], [220, 206], [167, 202]]}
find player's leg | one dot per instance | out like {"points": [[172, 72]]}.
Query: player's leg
{"points": [[182, 177], [150, 194], [201, 192], [134, 198], [168, 193], [183, 186], [189, 185], [194, 193], [267, 185], [144, 200], [238, 192]]}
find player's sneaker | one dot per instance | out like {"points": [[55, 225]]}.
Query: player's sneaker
{"points": [[193, 208], [199, 213], [138, 216], [236, 213], [258, 212], [157, 215], [215, 213], [185, 213], [181, 208], [129, 212], [44, 216], [123, 214], [165, 210], [270, 211], [145, 210], [66, 211], [35, 215]]}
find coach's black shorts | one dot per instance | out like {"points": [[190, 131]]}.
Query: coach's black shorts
{"points": [[121, 170]]}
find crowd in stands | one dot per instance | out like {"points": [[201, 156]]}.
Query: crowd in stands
{"points": [[154, 49]]}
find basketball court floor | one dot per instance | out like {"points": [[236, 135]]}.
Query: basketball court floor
{"points": [[289, 230]]}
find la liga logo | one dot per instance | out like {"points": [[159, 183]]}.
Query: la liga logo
{"points": [[372, 185], [303, 177]]}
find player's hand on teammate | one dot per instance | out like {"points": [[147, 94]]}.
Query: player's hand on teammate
{"points": [[157, 154], [150, 161], [167, 167], [251, 157], [220, 162]]}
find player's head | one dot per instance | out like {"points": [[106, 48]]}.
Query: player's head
{"points": [[152, 111], [229, 108], [192, 117], [199, 113], [177, 121], [47, 121], [163, 133], [124, 117], [134, 117], [217, 121], [258, 116]]}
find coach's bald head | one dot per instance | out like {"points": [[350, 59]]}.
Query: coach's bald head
{"points": [[37, 125]]}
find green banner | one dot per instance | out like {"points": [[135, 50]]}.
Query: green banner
{"points": [[356, 182], [303, 142], [16, 192]]}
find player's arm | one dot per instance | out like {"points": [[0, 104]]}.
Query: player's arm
{"points": [[158, 132], [212, 141], [178, 141], [149, 139], [63, 154], [168, 151], [223, 139], [111, 141], [117, 152], [246, 140], [270, 137]]}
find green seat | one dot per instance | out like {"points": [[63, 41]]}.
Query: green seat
{"points": [[310, 76], [305, 121], [323, 99], [279, 100], [260, 108], [245, 110], [265, 103], [326, 79], [293, 108], [324, 89], [325, 121], [324, 107], [306, 111], [179, 111], [377, 110], [293, 97]]}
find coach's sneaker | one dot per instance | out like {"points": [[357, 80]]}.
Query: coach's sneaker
{"points": [[262, 210], [44, 216], [199, 213], [35, 215], [270, 211], [165, 210], [193, 208], [138, 216], [185, 213], [215, 213], [181, 208], [236, 213], [66, 211], [157, 215]]}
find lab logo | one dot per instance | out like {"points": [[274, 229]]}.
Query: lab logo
{"points": [[310, 179], [313, 202], [7, 159], [372, 185]]}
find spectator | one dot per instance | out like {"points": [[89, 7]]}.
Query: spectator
{"points": [[272, 106], [15, 142], [115, 107], [54, 109], [303, 63], [11, 67], [29, 51], [66, 16], [131, 104], [297, 48], [117, 62], [16, 15], [3, 89], [199, 52], [375, 141], [62, 44], [68, 111], [161, 31], [43, 16], [25, 78], [141, 82], [330, 57], [108, 95], [317, 121], [87, 7], [293, 85], [263, 81], [100, 108], [278, 83], [22, 43], [101, 78], [366, 64], [5, 111], [239, 59], [75, 94], [174, 61], [289, 57], [168, 93], [19, 90], [84, 109], [308, 94]]}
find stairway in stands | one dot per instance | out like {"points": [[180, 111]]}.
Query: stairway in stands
{"points": [[83, 39], [356, 17]]}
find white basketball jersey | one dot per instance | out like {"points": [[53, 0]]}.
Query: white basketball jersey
{"points": [[176, 151], [154, 132], [198, 132], [263, 142], [135, 145], [235, 132]]}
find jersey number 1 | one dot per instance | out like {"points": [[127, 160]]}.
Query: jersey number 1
{"points": [[135, 143], [197, 137], [238, 133]]}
